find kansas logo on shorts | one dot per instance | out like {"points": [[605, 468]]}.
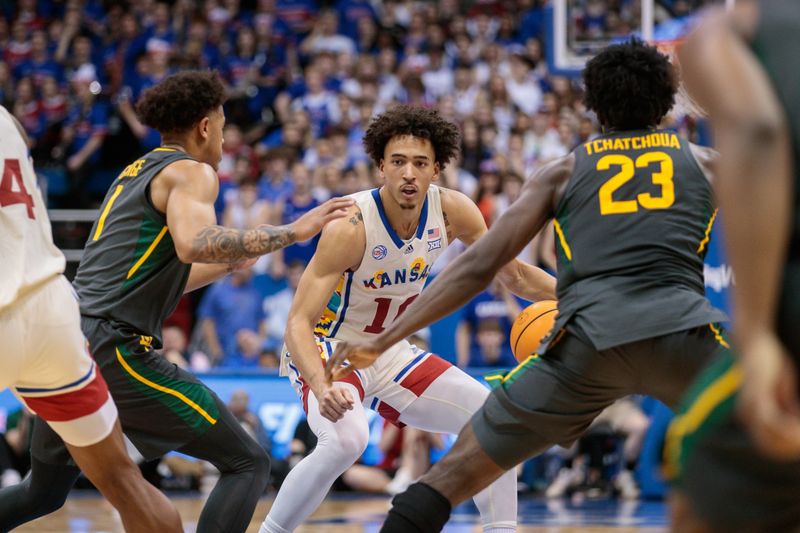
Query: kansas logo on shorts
{"points": [[434, 239], [379, 252]]}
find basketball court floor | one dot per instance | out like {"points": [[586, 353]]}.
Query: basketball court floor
{"points": [[364, 514]]}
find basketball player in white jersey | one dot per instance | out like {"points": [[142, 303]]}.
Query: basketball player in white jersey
{"points": [[368, 268], [44, 359]]}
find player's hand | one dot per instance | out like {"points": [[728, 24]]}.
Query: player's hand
{"points": [[348, 357], [312, 222], [768, 402], [334, 402]]}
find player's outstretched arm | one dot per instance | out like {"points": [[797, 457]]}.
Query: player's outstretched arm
{"points": [[203, 274], [191, 190], [341, 247], [753, 181], [466, 223], [472, 271]]}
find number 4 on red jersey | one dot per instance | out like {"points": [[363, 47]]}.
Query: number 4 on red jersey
{"points": [[8, 196]]}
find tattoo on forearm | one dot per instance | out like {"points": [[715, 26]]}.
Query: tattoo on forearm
{"points": [[216, 244], [358, 217]]}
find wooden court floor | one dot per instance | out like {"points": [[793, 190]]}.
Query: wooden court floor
{"points": [[89, 514]]}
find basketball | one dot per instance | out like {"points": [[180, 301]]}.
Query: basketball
{"points": [[531, 326]]}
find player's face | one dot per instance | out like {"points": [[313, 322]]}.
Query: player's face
{"points": [[213, 148], [408, 168]]}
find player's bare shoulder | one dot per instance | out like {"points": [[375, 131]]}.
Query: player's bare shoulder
{"points": [[557, 171], [189, 172], [185, 174], [454, 204], [344, 240], [551, 179]]}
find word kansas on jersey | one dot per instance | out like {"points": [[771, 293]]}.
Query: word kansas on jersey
{"points": [[416, 272]]}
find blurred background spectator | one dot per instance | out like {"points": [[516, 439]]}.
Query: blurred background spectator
{"points": [[482, 333], [15, 444], [231, 321]]}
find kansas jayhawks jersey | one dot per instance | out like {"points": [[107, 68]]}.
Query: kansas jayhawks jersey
{"points": [[392, 272], [28, 257]]}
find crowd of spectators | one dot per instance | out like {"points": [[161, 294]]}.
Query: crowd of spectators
{"points": [[304, 78]]}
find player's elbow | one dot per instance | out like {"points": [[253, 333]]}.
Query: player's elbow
{"points": [[507, 280], [764, 131], [756, 129], [297, 327], [511, 278], [185, 252]]}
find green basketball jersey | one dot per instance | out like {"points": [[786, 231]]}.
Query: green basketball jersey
{"points": [[777, 45], [130, 273], [631, 233]]}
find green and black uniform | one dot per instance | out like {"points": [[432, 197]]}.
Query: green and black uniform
{"points": [[631, 232], [710, 456], [129, 280]]}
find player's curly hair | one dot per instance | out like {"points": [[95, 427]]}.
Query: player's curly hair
{"points": [[630, 85], [181, 101], [418, 121]]}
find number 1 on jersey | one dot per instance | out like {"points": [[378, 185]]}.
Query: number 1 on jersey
{"points": [[383, 311]]}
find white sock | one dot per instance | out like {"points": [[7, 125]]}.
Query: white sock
{"points": [[499, 529], [268, 526]]}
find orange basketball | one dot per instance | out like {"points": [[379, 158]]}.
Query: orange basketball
{"points": [[531, 326]]}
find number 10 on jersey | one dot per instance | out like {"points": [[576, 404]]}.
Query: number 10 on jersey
{"points": [[382, 312]]}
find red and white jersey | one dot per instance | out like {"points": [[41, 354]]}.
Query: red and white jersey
{"points": [[28, 257], [392, 272]]}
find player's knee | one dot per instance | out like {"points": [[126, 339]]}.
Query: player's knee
{"points": [[50, 503], [351, 443], [44, 501], [254, 459], [261, 464], [354, 445]]}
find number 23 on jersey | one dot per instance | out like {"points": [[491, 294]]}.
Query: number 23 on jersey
{"points": [[661, 176]]}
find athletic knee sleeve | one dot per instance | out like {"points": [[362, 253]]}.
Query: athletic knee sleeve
{"points": [[421, 508]]}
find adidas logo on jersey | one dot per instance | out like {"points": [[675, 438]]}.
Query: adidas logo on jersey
{"points": [[409, 249]]}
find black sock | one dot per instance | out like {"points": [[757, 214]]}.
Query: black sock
{"points": [[420, 509]]}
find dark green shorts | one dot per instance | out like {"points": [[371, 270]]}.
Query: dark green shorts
{"points": [[553, 397], [161, 407], [711, 459]]}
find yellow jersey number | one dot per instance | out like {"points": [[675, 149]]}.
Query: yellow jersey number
{"points": [[627, 168]]}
